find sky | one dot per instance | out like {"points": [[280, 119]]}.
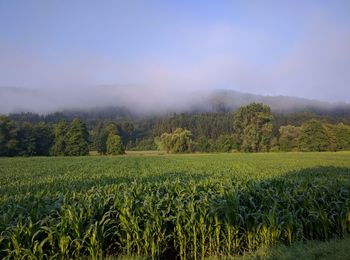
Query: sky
{"points": [[295, 48]]}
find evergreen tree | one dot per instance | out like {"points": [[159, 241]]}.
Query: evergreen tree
{"points": [[26, 140], [126, 132], [102, 136], [95, 133], [60, 133], [253, 128], [114, 144], [313, 136], [77, 139], [8, 135], [43, 139]]}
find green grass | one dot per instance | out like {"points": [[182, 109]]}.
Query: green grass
{"points": [[192, 205]]}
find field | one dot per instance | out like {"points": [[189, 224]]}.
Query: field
{"points": [[186, 206]]}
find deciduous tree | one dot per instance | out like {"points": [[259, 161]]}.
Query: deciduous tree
{"points": [[313, 136], [114, 144], [180, 141], [289, 138], [342, 133], [253, 127]]}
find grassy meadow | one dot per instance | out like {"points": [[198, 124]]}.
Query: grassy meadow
{"points": [[167, 206]]}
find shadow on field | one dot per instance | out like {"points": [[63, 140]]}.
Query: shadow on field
{"points": [[315, 173], [311, 203], [320, 171]]}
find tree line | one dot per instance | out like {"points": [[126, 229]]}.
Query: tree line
{"points": [[61, 139], [251, 128]]}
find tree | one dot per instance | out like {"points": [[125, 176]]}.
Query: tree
{"points": [[166, 141], [34, 140], [114, 144], [126, 132], [101, 136], [8, 135], [342, 133], [289, 138], [253, 128], [43, 139], [77, 139], [203, 144], [313, 136], [180, 141], [59, 143], [26, 140], [225, 143], [331, 136], [143, 144], [95, 135]]}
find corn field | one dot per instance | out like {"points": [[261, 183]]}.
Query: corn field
{"points": [[176, 206]]}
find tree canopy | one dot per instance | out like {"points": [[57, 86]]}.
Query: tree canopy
{"points": [[313, 136], [252, 125], [60, 135], [8, 137], [77, 139], [114, 144], [289, 138], [179, 141]]}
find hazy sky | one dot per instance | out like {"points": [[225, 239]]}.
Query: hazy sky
{"points": [[299, 48]]}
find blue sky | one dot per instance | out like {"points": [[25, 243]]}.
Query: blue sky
{"points": [[298, 48]]}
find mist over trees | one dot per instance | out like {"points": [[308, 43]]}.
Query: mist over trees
{"points": [[251, 128]]}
